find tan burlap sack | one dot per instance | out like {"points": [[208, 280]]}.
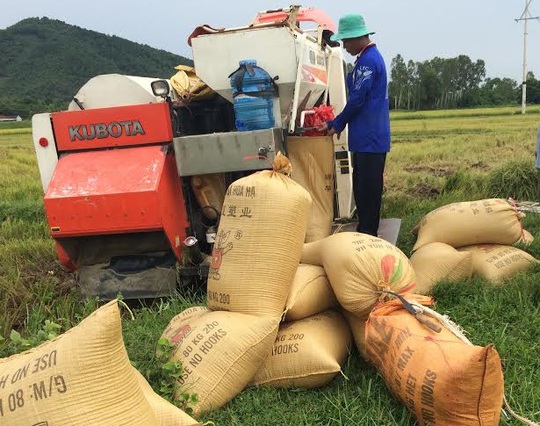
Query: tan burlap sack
{"points": [[495, 262], [179, 325], [83, 377], [209, 192], [312, 159], [220, 352], [167, 414], [442, 379], [358, 329], [310, 293], [359, 267], [435, 262], [307, 353], [258, 243], [494, 220], [526, 238]]}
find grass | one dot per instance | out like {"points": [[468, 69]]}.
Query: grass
{"points": [[437, 158]]}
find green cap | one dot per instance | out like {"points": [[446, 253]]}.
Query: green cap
{"points": [[351, 26]]}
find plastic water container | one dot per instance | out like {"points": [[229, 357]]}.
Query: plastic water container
{"points": [[253, 113], [253, 92]]}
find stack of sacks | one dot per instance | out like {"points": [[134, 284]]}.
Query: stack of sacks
{"points": [[84, 377], [254, 262], [313, 341], [465, 224], [440, 376]]}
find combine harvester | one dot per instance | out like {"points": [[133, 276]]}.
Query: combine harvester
{"points": [[134, 176]]}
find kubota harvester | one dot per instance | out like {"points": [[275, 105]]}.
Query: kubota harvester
{"points": [[134, 171]]}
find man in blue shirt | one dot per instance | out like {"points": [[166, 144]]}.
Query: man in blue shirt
{"points": [[368, 117]]}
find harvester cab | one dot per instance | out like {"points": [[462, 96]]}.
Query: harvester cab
{"points": [[135, 172]]}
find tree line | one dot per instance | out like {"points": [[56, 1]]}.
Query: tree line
{"points": [[452, 83]]}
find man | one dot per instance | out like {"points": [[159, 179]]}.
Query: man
{"points": [[367, 115]]}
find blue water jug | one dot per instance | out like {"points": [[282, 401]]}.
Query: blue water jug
{"points": [[253, 92]]}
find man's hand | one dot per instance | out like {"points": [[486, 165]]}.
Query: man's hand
{"points": [[328, 131]]}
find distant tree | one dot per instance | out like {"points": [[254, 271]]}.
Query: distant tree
{"points": [[399, 81], [497, 91], [533, 89], [435, 83]]}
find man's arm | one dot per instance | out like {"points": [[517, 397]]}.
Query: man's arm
{"points": [[363, 81]]}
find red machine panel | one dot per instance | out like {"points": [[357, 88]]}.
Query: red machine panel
{"points": [[112, 127], [117, 191]]}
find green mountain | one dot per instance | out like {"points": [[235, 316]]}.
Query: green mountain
{"points": [[43, 62]]}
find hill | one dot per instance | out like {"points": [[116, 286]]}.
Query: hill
{"points": [[45, 61]]}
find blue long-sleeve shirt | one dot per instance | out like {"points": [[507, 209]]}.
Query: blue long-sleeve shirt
{"points": [[367, 109]]}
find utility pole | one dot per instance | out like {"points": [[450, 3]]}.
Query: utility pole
{"points": [[525, 17]]}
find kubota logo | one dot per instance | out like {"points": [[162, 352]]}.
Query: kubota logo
{"points": [[102, 130]]}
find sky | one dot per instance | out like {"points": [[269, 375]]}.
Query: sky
{"points": [[418, 30]]}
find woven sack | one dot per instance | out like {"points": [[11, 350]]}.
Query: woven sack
{"points": [[495, 262], [359, 267], [358, 329], [435, 262], [312, 159], [83, 377], [494, 221], [220, 352], [310, 293], [442, 379], [258, 243], [307, 353]]}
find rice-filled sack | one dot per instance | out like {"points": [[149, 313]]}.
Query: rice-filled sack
{"points": [[435, 262], [312, 159], [82, 377], [220, 352], [310, 294], [495, 221], [360, 269], [258, 243], [358, 329], [167, 414], [495, 262], [307, 353], [441, 377], [526, 239]]}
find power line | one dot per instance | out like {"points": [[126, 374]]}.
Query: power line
{"points": [[525, 17]]}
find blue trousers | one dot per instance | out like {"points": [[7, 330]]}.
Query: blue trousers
{"points": [[368, 181]]}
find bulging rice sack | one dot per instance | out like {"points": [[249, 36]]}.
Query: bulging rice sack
{"points": [[310, 294], [358, 329], [495, 221], [435, 262], [307, 353], [360, 267], [526, 239], [312, 158], [258, 243], [495, 262], [443, 380], [220, 352], [83, 377]]}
